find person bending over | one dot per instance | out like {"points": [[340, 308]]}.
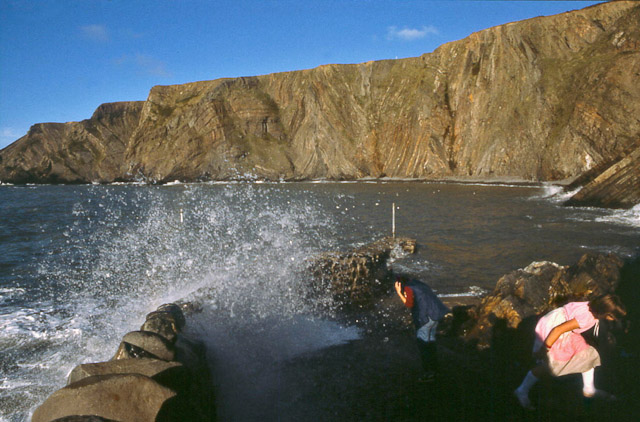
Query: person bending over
{"points": [[560, 349], [427, 310]]}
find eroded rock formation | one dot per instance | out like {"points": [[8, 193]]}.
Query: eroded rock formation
{"points": [[358, 278], [157, 374], [542, 99]]}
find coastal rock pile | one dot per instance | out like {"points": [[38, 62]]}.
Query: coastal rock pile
{"points": [[359, 276], [157, 374], [540, 287]]}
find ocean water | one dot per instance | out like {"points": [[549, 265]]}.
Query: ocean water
{"points": [[80, 266]]}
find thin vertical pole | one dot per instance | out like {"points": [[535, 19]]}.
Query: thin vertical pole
{"points": [[181, 216], [393, 220]]}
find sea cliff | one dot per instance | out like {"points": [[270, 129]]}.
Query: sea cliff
{"points": [[545, 99]]}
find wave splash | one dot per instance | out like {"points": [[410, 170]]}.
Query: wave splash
{"points": [[239, 252]]}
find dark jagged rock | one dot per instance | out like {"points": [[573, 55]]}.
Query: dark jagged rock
{"points": [[544, 99], [175, 311], [358, 277], [542, 286], [163, 324], [167, 322], [146, 344]]}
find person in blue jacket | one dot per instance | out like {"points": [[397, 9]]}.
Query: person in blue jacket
{"points": [[427, 310]]}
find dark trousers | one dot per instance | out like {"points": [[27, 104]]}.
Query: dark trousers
{"points": [[428, 355]]}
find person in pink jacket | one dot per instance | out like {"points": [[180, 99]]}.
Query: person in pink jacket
{"points": [[560, 348]]}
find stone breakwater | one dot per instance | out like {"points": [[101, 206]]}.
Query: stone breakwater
{"points": [[156, 374]]}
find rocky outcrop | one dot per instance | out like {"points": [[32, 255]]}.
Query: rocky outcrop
{"points": [[359, 277], [543, 99], [537, 289], [157, 374], [616, 187], [75, 152]]}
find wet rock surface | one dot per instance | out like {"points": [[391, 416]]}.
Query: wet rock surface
{"points": [[539, 288], [358, 277], [154, 376]]}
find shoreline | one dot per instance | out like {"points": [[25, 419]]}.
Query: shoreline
{"points": [[498, 181]]}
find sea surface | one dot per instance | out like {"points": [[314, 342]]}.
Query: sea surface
{"points": [[80, 266]]}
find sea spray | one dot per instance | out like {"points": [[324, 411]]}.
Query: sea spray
{"points": [[119, 252]]}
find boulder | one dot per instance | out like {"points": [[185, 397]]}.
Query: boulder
{"points": [[140, 344], [162, 323], [175, 311], [122, 397], [594, 275], [159, 370], [156, 374]]}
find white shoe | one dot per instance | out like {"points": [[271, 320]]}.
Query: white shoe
{"points": [[601, 394], [523, 399]]}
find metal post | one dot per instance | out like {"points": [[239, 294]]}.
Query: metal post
{"points": [[393, 220], [181, 216]]}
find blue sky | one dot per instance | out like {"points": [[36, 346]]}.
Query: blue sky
{"points": [[60, 59]]}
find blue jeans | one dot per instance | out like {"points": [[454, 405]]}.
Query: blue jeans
{"points": [[427, 332]]}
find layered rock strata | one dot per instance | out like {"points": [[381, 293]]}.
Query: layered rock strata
{"points": [[157, 374], [543, 99], [616, 187]]}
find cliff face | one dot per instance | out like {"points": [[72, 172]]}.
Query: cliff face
{"points": [[543, 99], [76, 152]]}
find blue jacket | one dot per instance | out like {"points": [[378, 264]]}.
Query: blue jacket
{"points": [[426, 304]]}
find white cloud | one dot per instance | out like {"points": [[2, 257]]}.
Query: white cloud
{"points": [[9, 132], [151, 65], [8, 135], [410, 34], [95, 32], [145, 64]]}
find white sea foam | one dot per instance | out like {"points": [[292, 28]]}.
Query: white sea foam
{"points": [[630, 217], [473, 291], [555, 193]]}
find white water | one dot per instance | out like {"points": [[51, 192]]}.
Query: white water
{"points": [[119, 254]]}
